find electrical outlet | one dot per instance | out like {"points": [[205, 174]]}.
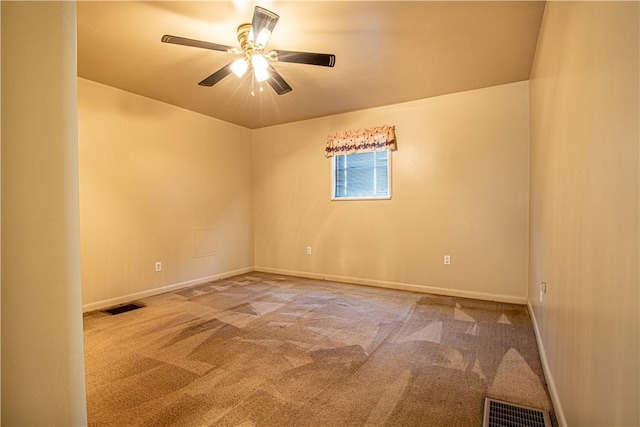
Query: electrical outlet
{"points": [[308, 250], [543, 290], [158, 266], [447, 260]]}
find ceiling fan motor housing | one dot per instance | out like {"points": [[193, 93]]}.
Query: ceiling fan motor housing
{"points": [[243, 38]]}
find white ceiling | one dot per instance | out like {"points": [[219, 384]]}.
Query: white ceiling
{"points": [[387, 52]]}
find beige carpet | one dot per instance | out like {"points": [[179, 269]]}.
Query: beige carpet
{"points": [[268, 350]]}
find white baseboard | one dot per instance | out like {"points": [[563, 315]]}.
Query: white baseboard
{"points": [[399, 286], [157, 291], [547, 372], [344, 279]]}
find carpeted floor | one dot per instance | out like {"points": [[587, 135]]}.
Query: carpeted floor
{"points": [[267, 350]]}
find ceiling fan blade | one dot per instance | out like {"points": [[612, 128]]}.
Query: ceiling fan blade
{"points": [[195, 43], [322, 59], [217, 76], [276, 81], [262, 25]]}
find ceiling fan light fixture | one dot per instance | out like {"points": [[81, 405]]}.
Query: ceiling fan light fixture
{"points": [[263, 38], [239, 67], [262, 25], [261, 75], [260, 65]]}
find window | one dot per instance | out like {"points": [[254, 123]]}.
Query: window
{"points": [[362, 176], [361, 162]]}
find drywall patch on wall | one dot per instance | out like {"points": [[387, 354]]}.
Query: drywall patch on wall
{"points": [[205, 243]]}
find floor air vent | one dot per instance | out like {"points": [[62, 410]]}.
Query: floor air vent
{"points": [[503, 414], [123, 308]]}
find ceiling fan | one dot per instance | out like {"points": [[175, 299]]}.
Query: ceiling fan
{"points": [[253, 39]]}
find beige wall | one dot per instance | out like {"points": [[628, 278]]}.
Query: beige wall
{"points": [[42, 356], [584, 209], [0, 216], [459, 187], [158, 183]]}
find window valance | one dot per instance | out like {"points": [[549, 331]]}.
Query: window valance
{"points": [[379, 138]]}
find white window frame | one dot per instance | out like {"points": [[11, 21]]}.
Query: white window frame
{"points": [[333, 181]]}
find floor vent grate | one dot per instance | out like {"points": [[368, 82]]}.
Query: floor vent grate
{"points": [[123, 308], [504, 414]]}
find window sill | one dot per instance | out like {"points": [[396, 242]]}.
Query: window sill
{"points": [[338, 199]]}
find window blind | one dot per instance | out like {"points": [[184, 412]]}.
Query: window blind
{"points": [[361, 175]]}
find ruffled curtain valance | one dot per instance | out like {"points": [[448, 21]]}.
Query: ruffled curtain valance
{"points": [[361, 141]]}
